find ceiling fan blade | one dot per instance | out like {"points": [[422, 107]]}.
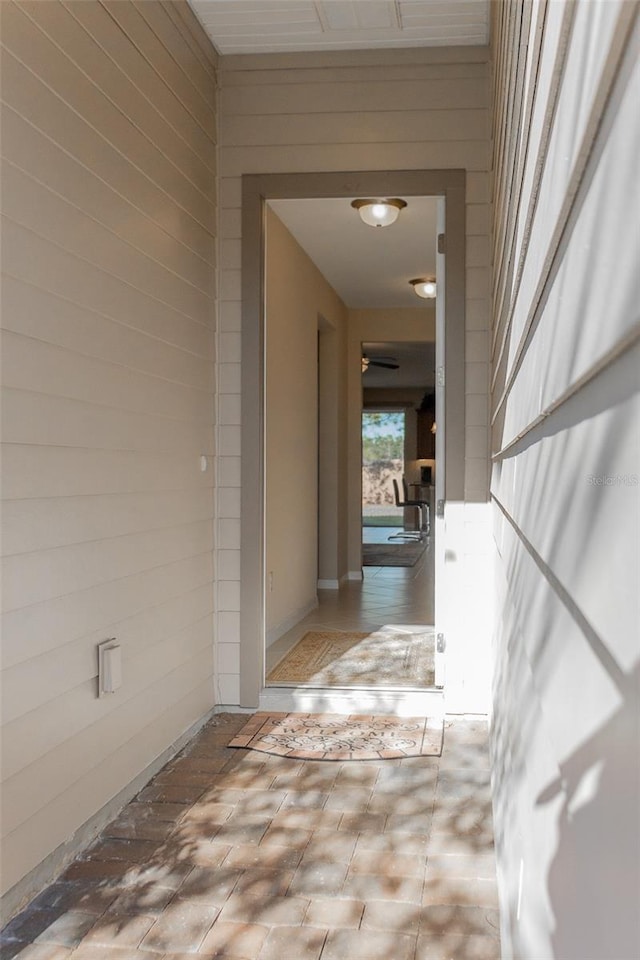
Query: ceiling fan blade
{"points": [[382, 363]]}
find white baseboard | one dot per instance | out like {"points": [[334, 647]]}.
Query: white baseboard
{"points": [[354, 575], [45, 872], [232, 708], [285, 625], [333, 584]]}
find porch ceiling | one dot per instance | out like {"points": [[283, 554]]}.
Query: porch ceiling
{"points": [[286, 26]]}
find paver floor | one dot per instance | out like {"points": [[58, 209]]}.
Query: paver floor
{"points": [[236, 854]]}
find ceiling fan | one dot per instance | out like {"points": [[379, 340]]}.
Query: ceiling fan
{"points": [[389, 363]]}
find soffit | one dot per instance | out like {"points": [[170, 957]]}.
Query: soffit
{"points": [[286, 26]]}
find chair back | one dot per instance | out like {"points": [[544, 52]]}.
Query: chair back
{"points": [[396, 492]]}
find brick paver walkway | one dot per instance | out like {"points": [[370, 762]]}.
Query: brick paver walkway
{"points": [[235, 854]]}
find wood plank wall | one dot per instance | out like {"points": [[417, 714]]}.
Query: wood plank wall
{"points": [[108, 248], [566, 461], [358, 110]]}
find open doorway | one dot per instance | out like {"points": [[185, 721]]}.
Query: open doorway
{"points": [[398, 450], [255, 579], [315, 638]]}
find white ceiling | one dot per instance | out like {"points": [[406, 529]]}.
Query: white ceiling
{"points": [[285, 26], [370, 267], [366, 266]]}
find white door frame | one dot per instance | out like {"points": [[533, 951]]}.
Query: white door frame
{"points": [[257, 189]]}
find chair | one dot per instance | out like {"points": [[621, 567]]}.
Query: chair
{"points": [[406, 534], [424, 505]]}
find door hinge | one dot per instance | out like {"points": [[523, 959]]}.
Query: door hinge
{"points": [[442, 243], [440, 377], [441, 643], [439, 508]]}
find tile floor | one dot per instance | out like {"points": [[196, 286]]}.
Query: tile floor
{"points": [[235, 854], [402, 595]]}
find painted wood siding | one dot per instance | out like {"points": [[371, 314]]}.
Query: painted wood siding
{"points": [[566, 462], [108, 250], [362, 110]]}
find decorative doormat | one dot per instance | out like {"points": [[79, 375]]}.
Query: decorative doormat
{"points": [[389, 657], [392, 554], [330, 736]]}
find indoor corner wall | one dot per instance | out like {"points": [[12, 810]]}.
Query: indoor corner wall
{"points": [[565, 481], [298, 303], [108, 249]]}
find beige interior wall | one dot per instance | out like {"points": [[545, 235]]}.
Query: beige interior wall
{"points": [[332, 452], [565, 478], [415, 109], [108, 348], [341, 566], [299, 302]]}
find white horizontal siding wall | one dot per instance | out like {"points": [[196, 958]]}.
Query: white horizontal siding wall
{"points": [[364, 110], [566, 451], [108, 189]]}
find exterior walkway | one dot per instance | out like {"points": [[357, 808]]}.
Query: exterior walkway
{"points": [[235, 854]]}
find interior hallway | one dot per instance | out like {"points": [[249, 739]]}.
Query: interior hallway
{"points": [[236, 854], [402, 595]]}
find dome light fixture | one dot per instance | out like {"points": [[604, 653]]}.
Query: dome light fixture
{"points": [[425, 287], [379, 212]]}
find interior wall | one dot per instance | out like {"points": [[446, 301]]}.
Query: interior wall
{"points": [[296, 296], [108, 252], [332, 452], [415, 109], [565, 478]]}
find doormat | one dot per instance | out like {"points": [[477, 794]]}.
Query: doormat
{"points": [[331, 736], [389, 657], [392, 554]]}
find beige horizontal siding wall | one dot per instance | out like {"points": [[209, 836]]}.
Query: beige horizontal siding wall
{"points": [[361, 110], [108, 190], [566, 452]]}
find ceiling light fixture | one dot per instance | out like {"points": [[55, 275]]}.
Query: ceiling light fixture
{"points": [[425, 287], [379, 213]]}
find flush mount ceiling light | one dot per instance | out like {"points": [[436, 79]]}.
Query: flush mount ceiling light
{"points": [[425, 287], [380, 212]]}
